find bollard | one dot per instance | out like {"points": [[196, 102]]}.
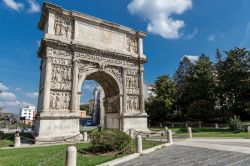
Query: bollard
{"points": [[166, 131], [131, 134], [186, 125], [160, 124], [17, 140], [85, 137], [71, 156], [248, 129], [172, 125], [216, 125], [189, 132], [169, 136], [138, 144], [199, 124]]}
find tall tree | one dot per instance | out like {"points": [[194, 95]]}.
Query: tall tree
{"points": [[184, 71], [201, 86], [162, 105], [234, 82]]}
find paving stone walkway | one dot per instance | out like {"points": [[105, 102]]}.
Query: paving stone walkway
{"points": [[180, 155]]}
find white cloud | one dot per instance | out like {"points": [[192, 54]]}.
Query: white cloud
{"points": [[3, 87], [9, 102], [6, 96], [32, 95], [192, 58], [158, 13], [13, 5], [192, 35], [211, 38], [34, 6], [89, 86]]}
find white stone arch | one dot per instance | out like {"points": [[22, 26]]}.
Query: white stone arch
{"points": [[86, 45], [83, 77], [113, 119]]}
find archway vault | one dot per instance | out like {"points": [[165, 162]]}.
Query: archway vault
{"points": [[112, 101], [78, 47]]}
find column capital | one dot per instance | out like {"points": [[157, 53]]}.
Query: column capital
{"points": [[48, 59], [76, 61]]}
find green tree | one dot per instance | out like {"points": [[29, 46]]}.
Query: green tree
{"points": [[183, 72], [85, 107], [234, 82], [162, 105], [201, 88]]}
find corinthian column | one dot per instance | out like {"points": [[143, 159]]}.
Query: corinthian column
{"points": [[124, 91], [47, 83], [142, 104], [74, 96]]}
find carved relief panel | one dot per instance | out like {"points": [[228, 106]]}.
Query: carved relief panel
{"points": [[117, 71], [132, 45], [63, 26], [132, 84], [133, 103], [61, 77], [85, 66], [112, 104], [59, 100]]}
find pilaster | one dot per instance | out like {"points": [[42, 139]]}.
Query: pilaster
{"points": [[74, 85], [47, 83]]}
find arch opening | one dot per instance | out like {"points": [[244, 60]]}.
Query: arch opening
{"points": [[108, 100]]}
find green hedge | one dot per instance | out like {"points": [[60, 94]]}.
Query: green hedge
{"points": [[110, 141]]}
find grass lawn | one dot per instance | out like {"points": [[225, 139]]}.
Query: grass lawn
{"points": [[204, 132], [33, 156]]}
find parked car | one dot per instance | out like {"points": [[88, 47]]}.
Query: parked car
{"points": [[89, 122]]}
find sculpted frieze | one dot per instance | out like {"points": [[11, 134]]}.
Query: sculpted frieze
{"points": [[61, 52], [61, 61], [112, 104], [85, 66], [117, 71], [132, 72], [109, 60], [132, 84], [63, 26], [59, 100], [132, 103], [132, 45], [61, 77]]}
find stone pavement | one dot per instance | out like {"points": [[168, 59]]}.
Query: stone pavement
{"points": [[193, 152]]}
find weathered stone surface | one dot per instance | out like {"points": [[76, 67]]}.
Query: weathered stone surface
{"points": [[78, 47], [71, 156], [138, 144], [189, 130]]}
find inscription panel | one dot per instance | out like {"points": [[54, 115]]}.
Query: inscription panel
{"points": [[99, 37]]}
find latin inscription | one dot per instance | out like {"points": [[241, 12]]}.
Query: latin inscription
{"points": [[101, 37]]}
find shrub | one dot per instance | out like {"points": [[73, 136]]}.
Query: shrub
{"points": [[110, 141], [235, 124]]}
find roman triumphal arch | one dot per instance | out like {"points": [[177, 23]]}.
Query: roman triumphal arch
{"points": [[78, 47]]}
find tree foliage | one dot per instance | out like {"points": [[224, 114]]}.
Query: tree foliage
{"points": [[162, 104], [203, 90]]}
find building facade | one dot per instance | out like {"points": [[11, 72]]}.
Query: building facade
{"points": [[27, 114]]}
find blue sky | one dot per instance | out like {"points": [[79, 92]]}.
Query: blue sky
{"points": [[175, 28]]}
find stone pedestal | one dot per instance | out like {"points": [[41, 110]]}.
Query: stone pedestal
{"points": [[56, 127], [136, 122]]}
